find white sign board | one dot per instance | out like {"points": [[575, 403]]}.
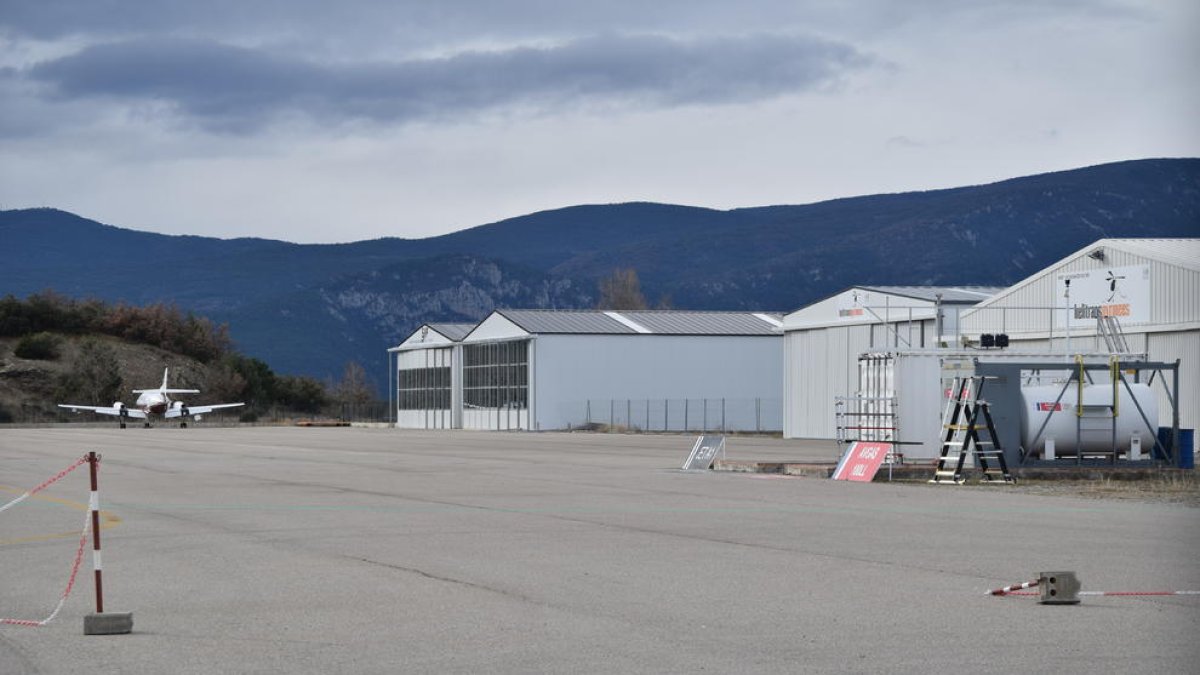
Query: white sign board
{"points": [[1123, 292], [851, 305], [704, 453]]}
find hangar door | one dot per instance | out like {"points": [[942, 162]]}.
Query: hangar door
{"points": [[424, 389], [496, 385]]}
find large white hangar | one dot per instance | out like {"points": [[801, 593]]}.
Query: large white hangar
{"points": [[1151, 287], [560, 369], [823, 342], [427, 374]]}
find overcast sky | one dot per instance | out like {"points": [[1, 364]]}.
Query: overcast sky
{"points": [[318, 121]]}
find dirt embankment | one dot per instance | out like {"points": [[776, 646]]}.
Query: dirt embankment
{"points": [[30, 389]]}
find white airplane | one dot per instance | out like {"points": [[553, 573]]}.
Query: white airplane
{"points": [[154, 402]]}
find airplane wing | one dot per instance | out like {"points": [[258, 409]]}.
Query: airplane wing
{"points": [[107, 410], [198, 409]]}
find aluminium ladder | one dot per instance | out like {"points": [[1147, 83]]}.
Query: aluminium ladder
{"points": [[1109, 328], [962, 425]]}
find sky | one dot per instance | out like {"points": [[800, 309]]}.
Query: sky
{"points": [[317, 121]]}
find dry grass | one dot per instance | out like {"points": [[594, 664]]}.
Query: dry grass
{"points": [[1175, 487]]}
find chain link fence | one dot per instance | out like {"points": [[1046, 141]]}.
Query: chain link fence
{"points": [[746, 415]]}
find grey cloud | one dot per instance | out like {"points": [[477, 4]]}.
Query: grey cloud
{"points": [[238, 89], [431, 21]]}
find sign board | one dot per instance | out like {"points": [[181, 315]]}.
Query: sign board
{"points": [[851, 305], [861, 461], [704, 453], [1123, 292]]}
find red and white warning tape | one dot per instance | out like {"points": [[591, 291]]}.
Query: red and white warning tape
{"points": [[87, 525], [51, 481], [1016, 589], [1122, 593]]}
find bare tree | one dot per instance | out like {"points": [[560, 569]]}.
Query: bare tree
{"points": [[621, 290], [353, 387]]}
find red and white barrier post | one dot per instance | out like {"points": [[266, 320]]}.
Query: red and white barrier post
{"points": [[113, 623], [94, 507]]}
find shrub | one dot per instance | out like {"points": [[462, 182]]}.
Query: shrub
{"points": [[38, 346], [94, 378]]}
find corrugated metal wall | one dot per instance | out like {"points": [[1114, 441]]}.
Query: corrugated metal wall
{"points": [[1184, 346], [734, 378], [819, 365], [1173, 297]]}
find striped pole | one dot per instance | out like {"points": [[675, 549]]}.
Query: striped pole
{"points": [[1015, 587], [94, 506]]}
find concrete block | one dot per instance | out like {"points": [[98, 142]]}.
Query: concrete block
{"points": [[108, 623], [1059, 588]]}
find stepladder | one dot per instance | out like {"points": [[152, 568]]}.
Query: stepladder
{"points": [[968, 428]]}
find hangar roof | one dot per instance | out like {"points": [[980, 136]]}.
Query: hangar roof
{"points": [[454, 331], [643, 322], [950, 294]]}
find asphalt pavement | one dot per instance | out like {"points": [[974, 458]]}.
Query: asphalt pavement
{"points": [[330, 550]]}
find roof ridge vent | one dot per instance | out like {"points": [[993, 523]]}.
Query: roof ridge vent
{"points": [[628, 322]]}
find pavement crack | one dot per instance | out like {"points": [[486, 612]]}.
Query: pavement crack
{"points": [[449, 580]]}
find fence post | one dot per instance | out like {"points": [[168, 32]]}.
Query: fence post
{"points": [[704, 417], [685, 413], [666, 414], [722, 415], [611, 408]]}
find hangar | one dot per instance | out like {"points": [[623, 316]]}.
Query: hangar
{"points": [[558, 369], [1150, 286], [823, 343], [427, 373]]}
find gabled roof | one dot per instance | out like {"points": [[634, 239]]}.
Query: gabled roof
{"points": [[452, 331], [950, 294], [1183, 253], [565, 321], [705, 323], [642, 322]]}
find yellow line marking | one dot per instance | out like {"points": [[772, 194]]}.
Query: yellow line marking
{"points": [[108, 520]]}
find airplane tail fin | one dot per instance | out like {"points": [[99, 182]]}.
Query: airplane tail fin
{"points": [[163, 389]]}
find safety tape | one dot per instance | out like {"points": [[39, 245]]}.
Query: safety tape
{"points": [[51, 481], [1016, 589], [87, 526], [1121, 593]]}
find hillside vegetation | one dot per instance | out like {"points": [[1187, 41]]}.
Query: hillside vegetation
{"points": [[55, 349]]}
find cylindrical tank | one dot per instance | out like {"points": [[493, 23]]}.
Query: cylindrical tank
{"points": [[1095, 426]]}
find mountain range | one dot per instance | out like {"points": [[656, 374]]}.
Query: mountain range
{"points": [[308, 309]]}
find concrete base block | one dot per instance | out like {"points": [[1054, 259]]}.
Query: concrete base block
{"points": [[1059, 588], [108, 623]]}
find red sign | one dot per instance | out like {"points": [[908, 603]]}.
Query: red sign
{"points": [[862, 461], [1049, 407]]}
